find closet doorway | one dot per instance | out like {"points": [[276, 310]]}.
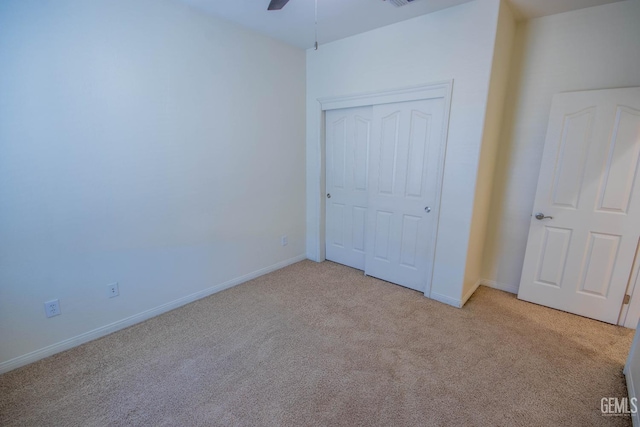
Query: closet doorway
{"points": [[384, 164]]}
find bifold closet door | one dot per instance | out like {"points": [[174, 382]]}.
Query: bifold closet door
{"points": [[348, 136], [406, 150]]}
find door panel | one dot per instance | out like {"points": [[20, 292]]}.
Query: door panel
{"points": [[576, 134], [409, 240], [358, 229], [338, 224], [348, 135], [361, 159], [554, 256], [622, 162], [406, 150], [418, 144], [388, 150], [382, 235], [602, 252], [580, 260]]}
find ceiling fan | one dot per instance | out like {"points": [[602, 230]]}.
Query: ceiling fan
{"points": [[277, 4]]}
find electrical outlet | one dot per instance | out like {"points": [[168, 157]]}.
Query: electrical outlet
{"points": [[112, 290], [284, 240], [52, 308]]}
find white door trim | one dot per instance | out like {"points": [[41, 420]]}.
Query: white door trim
{"points": [[442, 89], [630, 313], [410, 93]]}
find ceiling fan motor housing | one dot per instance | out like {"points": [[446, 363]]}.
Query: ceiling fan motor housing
{"points": [[398, 3]]}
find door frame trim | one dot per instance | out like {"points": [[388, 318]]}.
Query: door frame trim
{"points": [[404, 94], [441, 89], [630, 313]]}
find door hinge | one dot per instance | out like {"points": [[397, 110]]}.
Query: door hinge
{"points": [[626, 300]]}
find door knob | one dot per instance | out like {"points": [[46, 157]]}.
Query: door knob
{"points": [[427, 209], [328, 195], [540, 216]]}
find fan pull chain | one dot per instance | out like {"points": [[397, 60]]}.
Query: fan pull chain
{"points": [[316, 25]]}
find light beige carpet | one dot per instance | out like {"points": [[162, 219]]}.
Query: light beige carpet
{"points": [[320, 344]]}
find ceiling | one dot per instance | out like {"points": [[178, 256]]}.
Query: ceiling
{"points": [[338, 19]]}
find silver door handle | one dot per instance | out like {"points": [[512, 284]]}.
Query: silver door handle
{"points": [[328, 195], [540, 216], [427, 209]]}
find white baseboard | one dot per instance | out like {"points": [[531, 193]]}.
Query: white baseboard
{"points": [[500, 286], [458, 303], [137, 318], [446, 299], [470, 292]]}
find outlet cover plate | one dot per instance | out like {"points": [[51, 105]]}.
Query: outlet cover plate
{"points": [[113, 290], [52, 308]]}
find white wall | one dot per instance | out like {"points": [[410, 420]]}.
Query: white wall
{"points": [[482, 208], [632, 374], [455, 43], [594, 48], [139, 144]]}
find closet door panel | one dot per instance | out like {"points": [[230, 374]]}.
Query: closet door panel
{"points": [[404, 178], [348, 139]]}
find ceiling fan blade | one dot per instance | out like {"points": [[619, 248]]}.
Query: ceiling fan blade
{"points": [[277, 4]]}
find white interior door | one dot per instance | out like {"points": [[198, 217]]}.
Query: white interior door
{"points": [[579, 256], [348, 135], [406, 149]]}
